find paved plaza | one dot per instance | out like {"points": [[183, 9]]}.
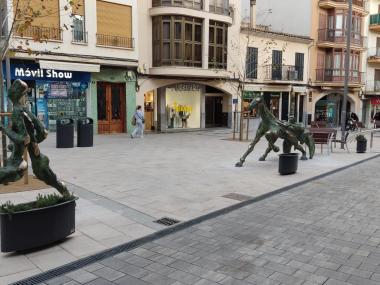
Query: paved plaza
{"points": [[124, 185], [324, 232]]}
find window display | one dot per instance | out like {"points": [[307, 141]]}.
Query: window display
{"points": [[60, 100], [183, 109]]}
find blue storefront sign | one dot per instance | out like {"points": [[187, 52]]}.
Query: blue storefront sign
{"points": [[34, 72]]}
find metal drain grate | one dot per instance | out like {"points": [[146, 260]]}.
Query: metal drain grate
{"points": [[167, 221], [237, 197]]}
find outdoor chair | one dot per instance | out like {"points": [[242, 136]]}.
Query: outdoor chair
{"points": [[335, 140], [323, 136]]}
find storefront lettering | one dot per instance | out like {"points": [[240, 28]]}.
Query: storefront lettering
{"points": [[187, 87], [41, 73]]}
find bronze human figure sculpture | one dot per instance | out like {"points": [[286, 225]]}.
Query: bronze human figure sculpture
{"points": [[272, 128], [26, 133]]}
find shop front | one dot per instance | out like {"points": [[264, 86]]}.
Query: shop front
{"points": [[113, 100], [328, 110], [282, 104], [54, 94], [375, 111]]}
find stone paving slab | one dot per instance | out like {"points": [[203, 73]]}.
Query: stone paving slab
{"points": [[323, 232], [124, 185]]}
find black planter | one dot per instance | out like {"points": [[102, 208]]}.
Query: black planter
{"points": [[288, 163], [361, 146], [38, 227]]}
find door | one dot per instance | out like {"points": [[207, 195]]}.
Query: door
{"points": [[111, 107], [276, 65], [214, 111]]}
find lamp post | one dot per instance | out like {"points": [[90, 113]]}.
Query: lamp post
{"points": [[347, 72]]}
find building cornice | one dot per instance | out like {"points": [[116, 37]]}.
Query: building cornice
{"points": [[277, 35]]}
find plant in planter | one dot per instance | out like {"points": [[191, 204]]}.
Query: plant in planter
{"points": [[361, 143], [48, 219]]}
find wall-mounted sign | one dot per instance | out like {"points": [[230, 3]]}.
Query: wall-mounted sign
{"points": [[187, 87], [375, 101], [235, 101], [34, 72]]}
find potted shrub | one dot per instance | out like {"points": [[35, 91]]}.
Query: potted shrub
{"points": [[361, 144], [288, 163], [49, 219]]}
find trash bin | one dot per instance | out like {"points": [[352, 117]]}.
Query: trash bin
{"points": [[65, 133], [85, 129]]}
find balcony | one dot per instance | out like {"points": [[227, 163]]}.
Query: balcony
{"points": [[330, 38], [358, 5], [374, 23], [40, 33], [79, 37], [374, 55], [372, 87], [219, 7], [330, 76], [115, 41], [283, 73], [191, 4]]}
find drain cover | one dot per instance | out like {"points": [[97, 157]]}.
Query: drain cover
{"points": [[167, 221], [237, 196]]}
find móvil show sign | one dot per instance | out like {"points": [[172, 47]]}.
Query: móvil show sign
{"points": [[34, 72]]}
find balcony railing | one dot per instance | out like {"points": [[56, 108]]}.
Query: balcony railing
{"points": [[40, 33], [219, 8], [192, 4], [339, 36], [115, 41], [79, 37], [374, 52], [374, 19], [283, 72], [372, 86], [337, 76]]}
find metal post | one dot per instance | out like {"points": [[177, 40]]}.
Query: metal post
{"points": [[347, 72], [2, 93]]}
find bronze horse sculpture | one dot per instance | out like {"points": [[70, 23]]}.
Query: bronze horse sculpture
{"points": [[272, 128]]}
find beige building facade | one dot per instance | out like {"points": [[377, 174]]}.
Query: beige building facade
{"points": [[327, 55]]}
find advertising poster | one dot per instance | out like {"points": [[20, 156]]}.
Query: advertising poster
{"points": [[42, 112]]}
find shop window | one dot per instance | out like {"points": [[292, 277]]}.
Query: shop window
{"points": [[183, 107]]}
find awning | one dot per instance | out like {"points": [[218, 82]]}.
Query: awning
{"points": [[375, 101], [69, 66]]}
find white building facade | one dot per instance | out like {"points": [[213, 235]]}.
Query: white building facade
{"points": [[85, 63], [185, 72]]}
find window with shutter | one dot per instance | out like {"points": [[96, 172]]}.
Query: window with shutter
{"points": [[44, 26], [114, 24]]}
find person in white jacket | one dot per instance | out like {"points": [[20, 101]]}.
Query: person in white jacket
{"points": [[139, 129]]}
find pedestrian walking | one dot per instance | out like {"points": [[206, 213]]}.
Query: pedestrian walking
{"points": [[138, 117]]}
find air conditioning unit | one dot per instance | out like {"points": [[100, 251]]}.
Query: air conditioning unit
{"points": [[293, 74]]}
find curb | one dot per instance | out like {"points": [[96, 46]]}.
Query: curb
{"points": [[75, 265]]}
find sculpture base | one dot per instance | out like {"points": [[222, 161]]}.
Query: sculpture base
{"points": [[37, 227]]}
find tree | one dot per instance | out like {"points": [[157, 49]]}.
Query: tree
{"points": [[23, 18], [240, 73]]}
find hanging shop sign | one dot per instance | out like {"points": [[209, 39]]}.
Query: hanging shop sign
{"points": [[34, 72], [375, 101], [187, 87]]}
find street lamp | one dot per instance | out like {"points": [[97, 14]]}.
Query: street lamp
{"points": [[347, 71]]}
